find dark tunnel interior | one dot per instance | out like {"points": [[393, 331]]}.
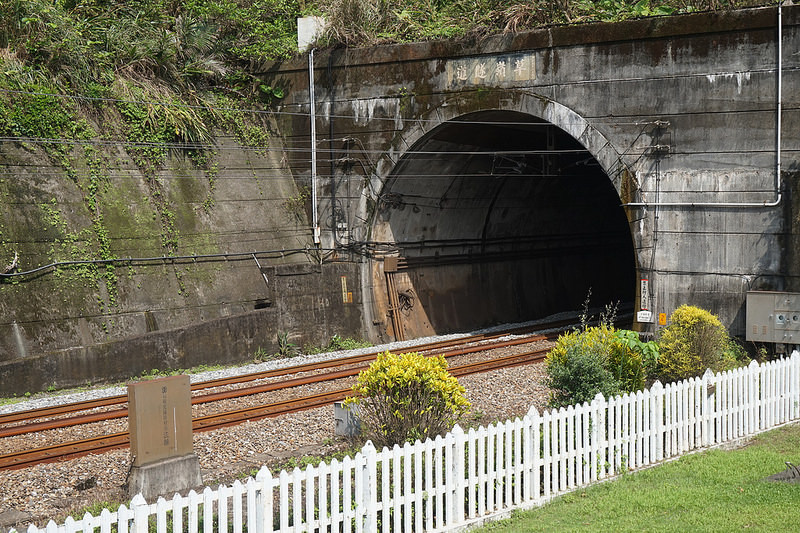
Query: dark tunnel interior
{"points": [[501, 217]]}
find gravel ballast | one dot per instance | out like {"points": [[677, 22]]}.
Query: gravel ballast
{"points": [[55, 490]]}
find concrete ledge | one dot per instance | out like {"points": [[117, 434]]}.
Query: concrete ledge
{"points": [[681, 25], [164, 477]]}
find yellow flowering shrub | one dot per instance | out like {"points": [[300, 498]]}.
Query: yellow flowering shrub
{"points": [[403, 397], [693, 341]]}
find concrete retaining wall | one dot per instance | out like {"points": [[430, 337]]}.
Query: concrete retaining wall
{"points": [[308, 307]]}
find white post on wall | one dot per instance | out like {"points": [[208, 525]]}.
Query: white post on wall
{"points": [[313, 117]]}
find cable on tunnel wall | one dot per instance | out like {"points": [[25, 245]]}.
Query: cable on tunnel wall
{"points": [[163, 259]]}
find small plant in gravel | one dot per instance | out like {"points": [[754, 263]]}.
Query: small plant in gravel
{"points": [[96, 508], [13, 399], [312, 460], [153, 373], [261, 355], [408, 396], [336, 344], [285, 347]]}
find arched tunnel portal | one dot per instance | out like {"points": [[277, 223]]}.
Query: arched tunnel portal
{"points": [[498, 217]]}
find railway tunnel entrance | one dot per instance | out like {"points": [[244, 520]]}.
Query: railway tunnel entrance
{"points": [[498, 217]]}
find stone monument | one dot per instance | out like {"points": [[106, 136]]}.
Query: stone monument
{"points": [[160, 426]]}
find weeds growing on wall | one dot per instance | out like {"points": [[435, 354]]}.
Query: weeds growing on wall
{"points": [[295, 206], [33, 111]]}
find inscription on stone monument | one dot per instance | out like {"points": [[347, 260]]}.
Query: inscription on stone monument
{"points": [[160, 419]]}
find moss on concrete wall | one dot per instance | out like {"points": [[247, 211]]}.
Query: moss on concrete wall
{"points": [[101, 205]]}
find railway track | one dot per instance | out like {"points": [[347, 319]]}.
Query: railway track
{"points": [[100, 444], [55, 417], [22, 422]]}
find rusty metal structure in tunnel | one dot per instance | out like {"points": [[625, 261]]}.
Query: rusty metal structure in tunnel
{"points": [[498, 216]]}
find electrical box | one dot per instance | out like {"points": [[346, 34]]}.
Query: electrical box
{"points": [[773, 317]]}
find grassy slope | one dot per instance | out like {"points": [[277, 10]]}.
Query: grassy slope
{"points": [[710, 491]]}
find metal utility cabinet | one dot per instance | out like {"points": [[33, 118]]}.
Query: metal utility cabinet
{"points": [[773, 317]]}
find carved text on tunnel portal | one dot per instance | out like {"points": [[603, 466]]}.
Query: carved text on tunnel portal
{"points": [[503, 69]]}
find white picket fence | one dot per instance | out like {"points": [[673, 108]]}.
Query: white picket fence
{"points": [[464, 478]]}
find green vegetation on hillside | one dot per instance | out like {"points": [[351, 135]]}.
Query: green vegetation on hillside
{"points": [[360, 22], [150, 77], [92, 46], [174, 58]]}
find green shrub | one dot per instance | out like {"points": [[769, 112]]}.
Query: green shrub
{"points": [[406, 397], [598, 359], [625, 364], [634, 360], [694, 340], [577, 367]]}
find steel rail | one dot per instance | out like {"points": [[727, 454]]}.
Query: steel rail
{"points": [[258, 412], [103, 443], [433, 348], [22, 429]]}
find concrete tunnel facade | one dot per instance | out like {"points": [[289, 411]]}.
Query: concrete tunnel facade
{"points": [[500, 216], [638, 159]]}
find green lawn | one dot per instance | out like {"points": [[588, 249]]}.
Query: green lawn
{"points": [[710, 491]]}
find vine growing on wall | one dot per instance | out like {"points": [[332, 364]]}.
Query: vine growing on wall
{"points": [[207, 161], [7, 250], [148, 133], [35, 112], [295, 206]]}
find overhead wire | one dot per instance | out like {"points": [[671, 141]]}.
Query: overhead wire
{"points": [[417, 154], [281, 149]]}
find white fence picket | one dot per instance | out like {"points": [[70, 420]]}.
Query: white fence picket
{"points": [[509, 468], [429, 485], [472, 474], [396, 482], [547, 479], [161, 515], [336, 515], [236, 505], [517, 464], [419, 489], [560, 446]]}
